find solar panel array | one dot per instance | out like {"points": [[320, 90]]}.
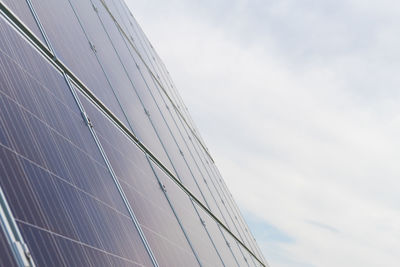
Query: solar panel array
{"points": [[100, 161]]}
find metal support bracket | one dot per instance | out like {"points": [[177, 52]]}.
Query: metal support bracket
{"points": [[95, 8], [162, 186], [93, 47], [87, 119], [20, 250]]}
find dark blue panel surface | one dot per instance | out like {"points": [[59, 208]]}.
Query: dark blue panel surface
{"points": [[59, 189]]}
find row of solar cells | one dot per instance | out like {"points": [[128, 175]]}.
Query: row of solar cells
{"points": [[121, 73]]}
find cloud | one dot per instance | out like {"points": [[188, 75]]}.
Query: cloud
{"points": [[298, 103], [323, 226]]}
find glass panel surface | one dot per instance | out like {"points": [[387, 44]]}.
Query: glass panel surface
{"points": [[187, 170], [21, 9], [237, 250], [212, 195], [143, 46], [121, 15], [143, 192], [124, 18], [128, 24], [187, 148], [154, 62], [218, 237], [164, 133], [73, 47], [226, 202], [124, 75], [59, 190], [190, 220], [130, 61]]}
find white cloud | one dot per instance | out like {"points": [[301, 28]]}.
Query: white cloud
{"points": [[298, 103]]}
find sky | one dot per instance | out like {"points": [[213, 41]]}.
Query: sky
{"points": [[298, 102]]}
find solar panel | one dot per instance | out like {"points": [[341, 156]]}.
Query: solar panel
{"points": [[59, 189], [143, 192], [100, 161]]}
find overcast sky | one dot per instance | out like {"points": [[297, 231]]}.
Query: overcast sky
{"points": [[299, 103]]}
